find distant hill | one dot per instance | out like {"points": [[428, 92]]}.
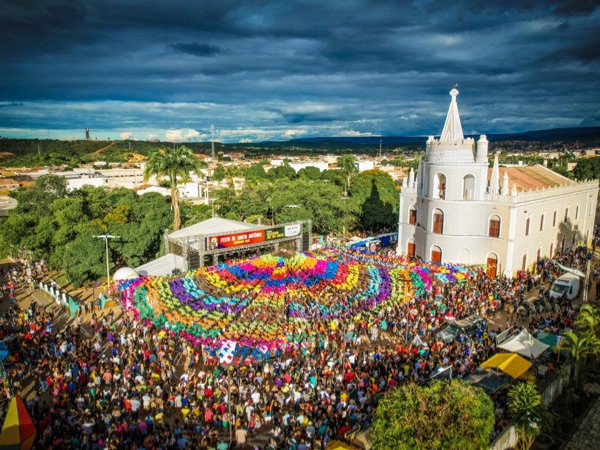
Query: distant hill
{"points": [[580, 133], [49, 152]]}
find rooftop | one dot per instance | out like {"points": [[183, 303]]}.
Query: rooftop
{"points": [[532, 177]]}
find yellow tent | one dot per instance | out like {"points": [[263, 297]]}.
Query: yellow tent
{"points": [[339, 445], [18, 431], [509, 363]]}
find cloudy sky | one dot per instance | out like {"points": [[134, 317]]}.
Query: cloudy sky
{"points": [[275, 70]]}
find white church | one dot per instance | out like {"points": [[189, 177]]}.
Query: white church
{"points": [[455, 209]]}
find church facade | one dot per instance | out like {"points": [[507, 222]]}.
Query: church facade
{"points": [[455, 209]]}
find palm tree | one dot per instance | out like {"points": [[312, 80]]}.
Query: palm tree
{"points": [[173, 163], [579, 347], [588, 320], [347, 164]]}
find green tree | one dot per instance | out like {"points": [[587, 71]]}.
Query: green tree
{"points": [[587, 169], [310, 173], [219, 173], [83, 258], [347, 164], [333, 176], [256, 172], [376, 192], [588, 320], [580, 347], [442, 415], [280, 172], [173, 163], [527, 413]]}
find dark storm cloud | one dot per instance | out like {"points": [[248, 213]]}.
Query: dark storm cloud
{"points": [[197, 48], [273, 69]]}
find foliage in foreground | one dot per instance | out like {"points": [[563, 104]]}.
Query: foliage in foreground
{"points": [[442, 415], [527, 413]]}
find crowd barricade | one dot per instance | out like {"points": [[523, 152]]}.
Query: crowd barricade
{"points": [[61, 297]]}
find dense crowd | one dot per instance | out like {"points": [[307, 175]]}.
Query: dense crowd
{"points": [[107, 381]]}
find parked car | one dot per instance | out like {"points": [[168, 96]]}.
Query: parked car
{"points": [[466, 327]]}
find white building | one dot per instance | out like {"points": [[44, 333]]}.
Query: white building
{"points": [[363, 166], [321, 165], [77, 183], [455, 209]]}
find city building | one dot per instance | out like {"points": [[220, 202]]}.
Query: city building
{"points": [[457, 209]]}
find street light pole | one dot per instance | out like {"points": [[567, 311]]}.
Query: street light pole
{"points": [[106, 237]]}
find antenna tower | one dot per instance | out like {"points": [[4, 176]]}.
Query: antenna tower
{"points": [[212, 141]]}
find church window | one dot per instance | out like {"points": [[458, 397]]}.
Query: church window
{"points": [[494, 227], [438, 222], [439, 187], [542, 222], [527, 223], [412, 215], [576, 212], [554, 219], [567, 214], [468, 187]]}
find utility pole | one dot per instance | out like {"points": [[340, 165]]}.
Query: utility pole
{"points": [[212, 141], [586, 281], [106, 237]]}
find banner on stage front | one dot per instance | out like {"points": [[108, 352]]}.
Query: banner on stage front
{"points": [[252, 236], [235, 239]]}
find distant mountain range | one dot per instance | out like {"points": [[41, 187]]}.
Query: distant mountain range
{"points": [[569, 134]]}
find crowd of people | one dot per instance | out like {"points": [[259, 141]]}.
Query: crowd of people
{"points": [[106, 381]]}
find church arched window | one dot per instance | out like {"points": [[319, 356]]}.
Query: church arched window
{"points": [[494, 226]]}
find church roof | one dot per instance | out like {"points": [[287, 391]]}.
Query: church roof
{"points": [[532, 177], [452, 131]]}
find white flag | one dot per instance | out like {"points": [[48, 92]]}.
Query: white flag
{"points": [[417, 342], [227, 352]]}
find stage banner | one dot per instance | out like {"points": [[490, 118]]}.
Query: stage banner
{"points": [[235, 239]]}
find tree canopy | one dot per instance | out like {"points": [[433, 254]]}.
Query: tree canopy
{"points": [[441, 415], [587, 169], [60, 225]]}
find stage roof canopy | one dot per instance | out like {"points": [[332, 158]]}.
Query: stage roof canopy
{"points": [[214, 226], [162, 266]]}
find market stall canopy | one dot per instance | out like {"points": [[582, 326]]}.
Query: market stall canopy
{"points": [[18, 431], [524, 344], [549, 339], [509, 363], [488, 381]]}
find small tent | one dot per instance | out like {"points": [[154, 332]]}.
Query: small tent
{"points": [[549, 339], [18, 431], [488, 381], [524, 344], [509, 363]]}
